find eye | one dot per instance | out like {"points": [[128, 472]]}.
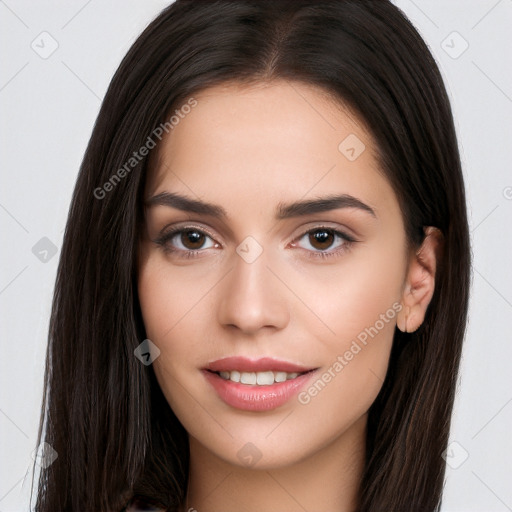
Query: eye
{"points": [[191, 239], [324, 242], [188, 240]]}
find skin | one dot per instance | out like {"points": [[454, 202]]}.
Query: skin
{"points": [[251, 149]]}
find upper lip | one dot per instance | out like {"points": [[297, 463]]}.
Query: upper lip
{"points": [[245, 364]]}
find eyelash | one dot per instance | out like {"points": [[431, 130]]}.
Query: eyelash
{"points": [[165, 238]]}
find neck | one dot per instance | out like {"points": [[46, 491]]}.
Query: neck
{"points": [[329, 479]]}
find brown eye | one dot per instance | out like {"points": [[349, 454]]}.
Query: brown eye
{"points": [[324, 242], [192, 239], [321, 239], [185, 242]]}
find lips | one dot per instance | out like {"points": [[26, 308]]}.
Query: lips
{"points": [[256, 385]]}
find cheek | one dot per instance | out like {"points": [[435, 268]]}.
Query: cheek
{"points": [[357, 304], [176, 309], [164, 314], [361, 316], [169, 297], [354, 294]]}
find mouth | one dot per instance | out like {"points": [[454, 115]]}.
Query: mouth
{"points": [[256, 385]]}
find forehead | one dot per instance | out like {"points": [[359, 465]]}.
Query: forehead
{"points": [[273, 140]]}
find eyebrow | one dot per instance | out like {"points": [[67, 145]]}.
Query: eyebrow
{"points": [[296, 209]]}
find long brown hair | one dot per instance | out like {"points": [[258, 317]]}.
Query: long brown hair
{"points": [[103, 411]]}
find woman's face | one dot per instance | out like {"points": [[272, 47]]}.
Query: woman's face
{"points": [[273, 246]]}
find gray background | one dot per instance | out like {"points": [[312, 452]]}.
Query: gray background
{"points": [[49, 102]]}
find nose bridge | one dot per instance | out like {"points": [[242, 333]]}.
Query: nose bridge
{"points": [[252, 297]]}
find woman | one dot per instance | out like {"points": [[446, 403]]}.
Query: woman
{"points": [[263, 286]]}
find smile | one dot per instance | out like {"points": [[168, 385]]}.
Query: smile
{"points": [[256, 385]]}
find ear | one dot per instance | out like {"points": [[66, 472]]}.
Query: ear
{"points": [[420, 281]]}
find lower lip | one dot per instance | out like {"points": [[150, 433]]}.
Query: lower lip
{"points": [[253, 397]]}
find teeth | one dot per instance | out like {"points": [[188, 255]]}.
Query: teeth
{"points": [[280, 376], [265, 378], [259, 378], [248, 378]]}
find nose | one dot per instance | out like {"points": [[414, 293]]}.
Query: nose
{"points": [[252, 298]]}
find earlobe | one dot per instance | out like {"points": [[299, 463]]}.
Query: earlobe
{"points": [[420, 281], [402, 318]]}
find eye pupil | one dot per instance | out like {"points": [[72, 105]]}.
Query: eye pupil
{"points": [[321, 239], [192, 239]]}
